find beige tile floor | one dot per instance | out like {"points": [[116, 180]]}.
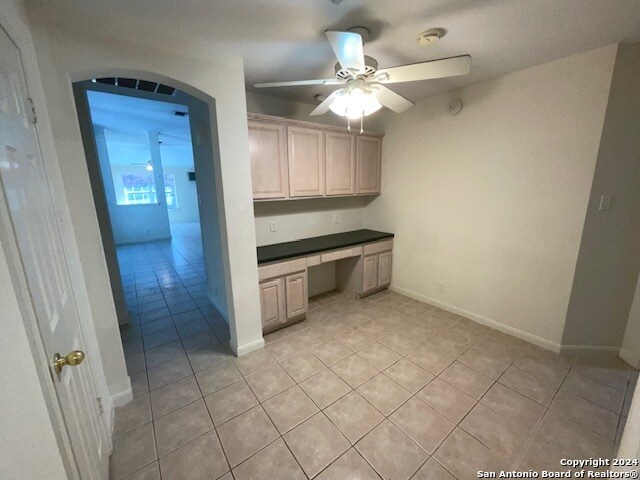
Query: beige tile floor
{"points": [[384, 387]]}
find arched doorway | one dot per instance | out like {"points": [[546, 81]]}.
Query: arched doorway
{"points": [[167, 274]]}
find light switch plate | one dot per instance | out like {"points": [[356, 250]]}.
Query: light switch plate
{"points": [[273, 226], [605, 203]]}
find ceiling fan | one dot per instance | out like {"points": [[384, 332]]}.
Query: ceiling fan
{"points": [[362, 86]]}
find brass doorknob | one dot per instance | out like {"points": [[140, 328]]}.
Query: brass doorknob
{"points": [[74, 358]]}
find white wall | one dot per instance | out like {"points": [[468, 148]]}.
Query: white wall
{"points": [[609, 259], [491, 202], [296, 219], [187, 195], [212, 213]]}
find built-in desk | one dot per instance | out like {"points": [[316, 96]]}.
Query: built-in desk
{"points": [[363, 266]]}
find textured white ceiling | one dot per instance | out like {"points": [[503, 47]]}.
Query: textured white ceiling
{"points": [[284, 39], [128, 119]]}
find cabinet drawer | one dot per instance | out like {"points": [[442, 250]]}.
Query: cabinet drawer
{"points": [[340, 254], [313, 260], [371, 248], [281, 268]]}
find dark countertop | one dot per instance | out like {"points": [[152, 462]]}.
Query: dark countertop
{"points": [[308, 246]]}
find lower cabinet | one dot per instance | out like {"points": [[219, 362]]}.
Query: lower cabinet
{"points": [[376, 271], [283, 300], [284, 291], [384, 268], [296, 293], [369, 273], [273, 303]]}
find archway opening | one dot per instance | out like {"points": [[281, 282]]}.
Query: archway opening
{"points": [[170, 280]]}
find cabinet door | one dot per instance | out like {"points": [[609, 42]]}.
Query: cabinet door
{"points": [[340, 164], [384, 268], [296, 287], [369, 272], [306, 162], [268, 154], [272, 302], [368, 152]]}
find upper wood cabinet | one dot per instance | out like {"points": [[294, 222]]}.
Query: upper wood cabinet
{"points": [[268, 154], [306, 151], [296, 159], [340, 163], [368, 160]]}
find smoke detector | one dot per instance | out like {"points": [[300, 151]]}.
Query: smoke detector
{"points": [[431, 36]]}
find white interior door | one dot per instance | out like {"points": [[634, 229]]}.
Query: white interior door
{"points": [[25, 196]]}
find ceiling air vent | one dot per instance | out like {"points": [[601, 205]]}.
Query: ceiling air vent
{"points": [[137, 84]]}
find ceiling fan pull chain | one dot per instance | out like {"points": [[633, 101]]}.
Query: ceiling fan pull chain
{"points": [[362, 123], [348, 124]]}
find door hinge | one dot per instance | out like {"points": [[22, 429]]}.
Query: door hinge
{"points": [[100, 407], [31, 111]]}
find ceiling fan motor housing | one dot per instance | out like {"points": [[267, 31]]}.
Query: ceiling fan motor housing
{"points": [[370, 67]]}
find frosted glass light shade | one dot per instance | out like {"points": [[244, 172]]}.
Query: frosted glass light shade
{"points": [[355, 104]]}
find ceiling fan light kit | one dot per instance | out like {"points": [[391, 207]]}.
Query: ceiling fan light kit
{"points": [[355, 102], [362, 86]]}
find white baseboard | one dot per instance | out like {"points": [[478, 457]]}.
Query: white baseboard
{"points": [[591, 349], [632, 358], [115, 401], [122, 398], [217, 307], [240, 350], [134, 240], [539, 341]]}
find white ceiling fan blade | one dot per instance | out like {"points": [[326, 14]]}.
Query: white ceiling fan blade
{"points": [[324, 81], [348, 49], [324, 106], [391, 99], [446, 67]]}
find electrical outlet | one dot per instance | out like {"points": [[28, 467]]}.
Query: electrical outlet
{"points": [[336, 219], [272, 226], [441, 288]]}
